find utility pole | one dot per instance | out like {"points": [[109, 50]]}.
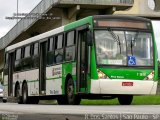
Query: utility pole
{"points": [[17, 11]]}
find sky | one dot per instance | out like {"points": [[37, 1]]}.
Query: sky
{"points": [[9, 7]]}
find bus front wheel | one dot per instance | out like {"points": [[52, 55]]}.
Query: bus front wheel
{"points": [[125, 99], [72, 99], [69, 98]]}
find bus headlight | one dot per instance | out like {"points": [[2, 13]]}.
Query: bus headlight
{"points": [[150, 76], [101, 75]]}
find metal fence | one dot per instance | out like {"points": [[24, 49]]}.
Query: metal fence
{"points": [[43, 7]]}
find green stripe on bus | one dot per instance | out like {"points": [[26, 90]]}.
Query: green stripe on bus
{"points": [[79, 23]]}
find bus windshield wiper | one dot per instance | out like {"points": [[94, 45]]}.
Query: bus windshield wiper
{"points": [[115, 37]]}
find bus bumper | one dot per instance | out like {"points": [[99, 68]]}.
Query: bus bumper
{"points": [[137, 87]]}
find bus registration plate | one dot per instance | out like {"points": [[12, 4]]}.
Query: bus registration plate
{"points": [[127, 83]]}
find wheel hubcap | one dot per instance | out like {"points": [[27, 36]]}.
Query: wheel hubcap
{"points": [[70, 92], [24, 95]]}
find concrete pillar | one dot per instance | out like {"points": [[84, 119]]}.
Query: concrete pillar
{"points": [[64, 17], [157, 5], [69, 16], [72, 12]]}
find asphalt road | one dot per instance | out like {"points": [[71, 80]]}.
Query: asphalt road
{"points": [[90, 112]]}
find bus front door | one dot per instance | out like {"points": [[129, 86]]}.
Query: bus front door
{"points": [[10, 75], [42, 70], [82, 61]]}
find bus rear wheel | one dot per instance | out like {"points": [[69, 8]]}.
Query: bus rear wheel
{"points": [[4, 100], [125, 99], [25, 94], [19, 98]]}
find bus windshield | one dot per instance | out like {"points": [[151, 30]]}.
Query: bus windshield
{"points": [[122, 47]]}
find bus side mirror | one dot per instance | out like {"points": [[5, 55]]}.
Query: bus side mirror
{"points": [[89, 38]]}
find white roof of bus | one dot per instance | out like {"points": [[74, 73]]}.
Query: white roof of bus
{"points": [[36, 38]]}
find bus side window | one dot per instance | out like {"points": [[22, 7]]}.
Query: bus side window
{"points": [[58, 49], [50, 53], [70, 46], [26, 61], [27, 52], [18, 56], [35, 55]]}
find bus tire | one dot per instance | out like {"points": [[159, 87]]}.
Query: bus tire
{"points": [[72, 99], [125, 99], [25, 94], [19, 98], [4, 100]]}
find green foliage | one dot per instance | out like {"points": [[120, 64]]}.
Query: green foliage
{"points": [[138, 100]]}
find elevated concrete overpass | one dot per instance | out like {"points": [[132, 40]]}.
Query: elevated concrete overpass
{"points": [[141, 8], [68, 11]]}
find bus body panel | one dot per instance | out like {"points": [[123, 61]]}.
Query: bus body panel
{"points": [[31, 77], [5, 84], [79, 23], [107, 86], [68, 69], [156, 57], [123, 73], [36, 38], [54, 80]]}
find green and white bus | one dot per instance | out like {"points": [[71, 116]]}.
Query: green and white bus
{"points": [[98, 57]]}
